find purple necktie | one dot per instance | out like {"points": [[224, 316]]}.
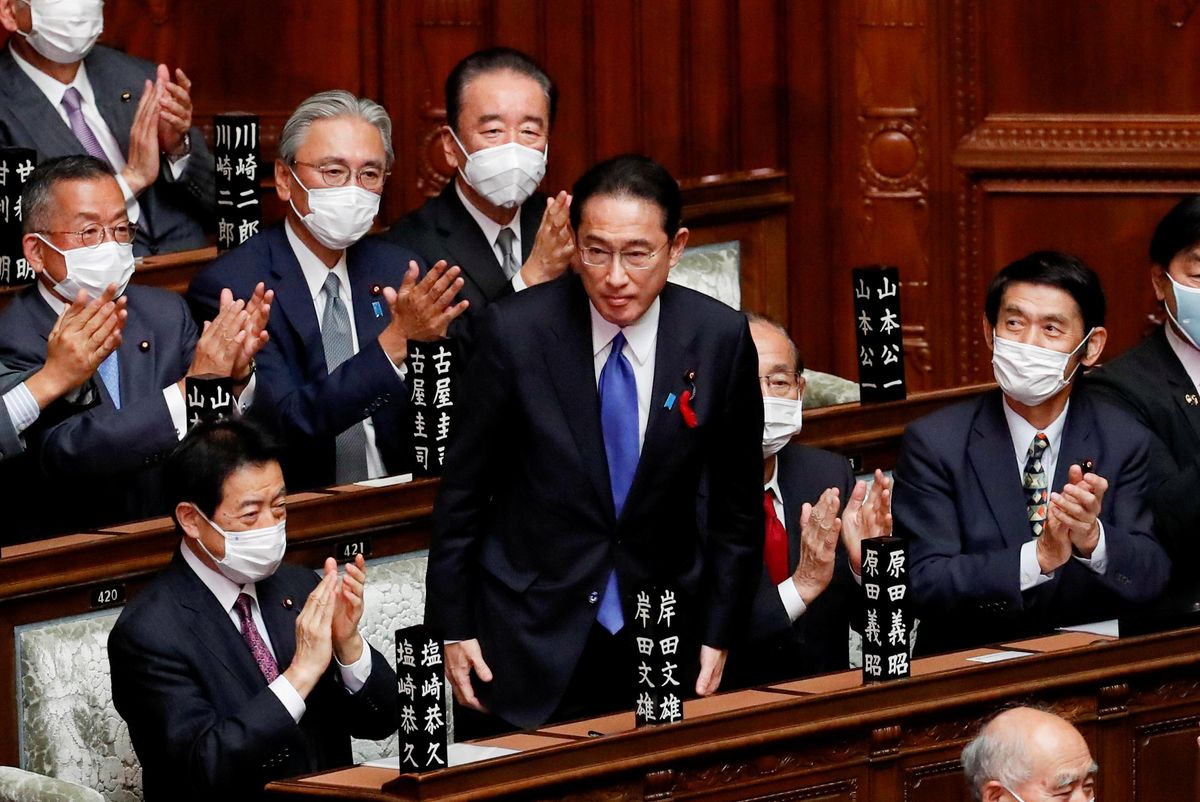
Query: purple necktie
{"points": [[258, 648], [73, 103]]}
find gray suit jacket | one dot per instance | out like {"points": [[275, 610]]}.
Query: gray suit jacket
{"points": [[10, 443], [175, 213]]}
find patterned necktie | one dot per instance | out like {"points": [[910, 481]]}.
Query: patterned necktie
{"points": [[351, 445], [1034, 481], [110, 374], [619, 424], [504, 241], [775, 546], [258, 647], [72, 101]]}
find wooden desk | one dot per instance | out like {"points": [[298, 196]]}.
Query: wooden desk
{"points": [[1137, 701]]}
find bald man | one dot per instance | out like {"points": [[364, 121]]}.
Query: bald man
{"points": [[1029, 755]]}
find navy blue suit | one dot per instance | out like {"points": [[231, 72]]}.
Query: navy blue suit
{"points": [[295, 393], [175, 212], [108, 456], [959, 502], [200, 715]]}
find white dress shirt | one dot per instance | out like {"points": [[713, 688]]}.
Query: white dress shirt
{"points": [[226, 591], [491, 232], [1022, 433], [640, 340], [22, 407], [315, 272], [792, 602], [1188, 355]]}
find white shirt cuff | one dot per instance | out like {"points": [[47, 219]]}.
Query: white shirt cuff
{"points": [[401, 369], [518, 283], [792, 603], [1098, 562], [177, 408], [1031, 569], [288, 697], [132, 210], [246, 399], [22, 408], [354, 676], [178, 166]]}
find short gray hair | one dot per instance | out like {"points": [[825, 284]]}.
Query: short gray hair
{"points": [[754, 318], [992, 756], [331, 104]]}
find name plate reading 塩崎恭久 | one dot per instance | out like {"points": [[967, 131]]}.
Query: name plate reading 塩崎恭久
{"points": [[420, 676]]}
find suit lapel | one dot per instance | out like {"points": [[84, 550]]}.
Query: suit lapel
{"points": [[990, 452], [279, 619], [531, 221], [793, 498], [53, 136], [1076, 442], [139, 379], [465, 242], [294, 301], [1177, 377], [367, 324], [108, 89]]}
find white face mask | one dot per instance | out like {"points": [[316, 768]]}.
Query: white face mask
{"points": [[65, 30], [93, 269], [782, 418], [1017, 796], [505, 174], [1029, 374], [338, 216], [251, 555], [1187, 316]]}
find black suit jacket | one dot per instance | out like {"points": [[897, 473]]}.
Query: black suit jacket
{"points": [[777, 648], [1150, 383], [200, 715], [295, 393], [175, 213], [525, 530], [442, 228], [959, 502], [107, 456]]}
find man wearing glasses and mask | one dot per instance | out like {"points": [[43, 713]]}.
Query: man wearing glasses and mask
{"points": [[1028, 508], [331, 379], [491, 221], [79, 241]]}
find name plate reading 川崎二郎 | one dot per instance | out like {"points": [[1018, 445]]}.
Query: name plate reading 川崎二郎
{"points": [[887, 625], [235, 154], [420, 676], [433, 379], [656, 636], [878, 333]]}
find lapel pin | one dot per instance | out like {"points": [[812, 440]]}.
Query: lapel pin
{"points": [[670, 402], [376, 289], [378, 308], [1192, 399], [144, 346], [125, 96], [288, 603], [686, 399]]}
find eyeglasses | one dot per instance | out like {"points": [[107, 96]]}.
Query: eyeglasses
{"points": [[338, 175], [780, 385], [636, 259], [93, 235]]}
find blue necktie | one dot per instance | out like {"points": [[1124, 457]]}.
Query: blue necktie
{"points": [[110, 374], [619, 424]]}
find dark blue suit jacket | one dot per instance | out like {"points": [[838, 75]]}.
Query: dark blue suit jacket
{"points": [[959, 502], [200, 715], [107, 456], [525, 529], [295, 393], [175, 213]]}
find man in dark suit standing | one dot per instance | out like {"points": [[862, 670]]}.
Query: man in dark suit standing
{"points": [[78, 239], [996, 551], [332, 377], [591, 410], [60, 95], [232, 669], [808, 591], [1158, 382], [490, 220]]}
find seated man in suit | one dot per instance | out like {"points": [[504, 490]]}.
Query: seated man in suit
{"points": [[574, 476], [331, 378], [491, 221], [78, 238], [812, 548], [1027, 508], [1158, 382], [1028, 755], [233, 669], [62, 95]]}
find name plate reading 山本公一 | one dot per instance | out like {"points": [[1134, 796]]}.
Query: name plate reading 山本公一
{"points": [[420, 677], [878, 333]]}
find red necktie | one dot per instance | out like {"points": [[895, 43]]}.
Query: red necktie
{"points": [[775, 546]]}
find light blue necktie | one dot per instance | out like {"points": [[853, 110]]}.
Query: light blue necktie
{"points": [[110, 374], [619, 424], [351, 445]]}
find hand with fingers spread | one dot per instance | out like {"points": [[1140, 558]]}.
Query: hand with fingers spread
{"points": [[867, 515], [258, 313], [83, 337], [462, 659], [348, 610], [314, 641], [1076, 510], [421, 310], [222, 342], [819, 531], [142, 160], [555, 243], [174, 111], [712, 668]]}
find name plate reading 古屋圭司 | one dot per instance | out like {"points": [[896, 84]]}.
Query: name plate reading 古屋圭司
{"points": [[16, 164], [887, 625], [433, 381], [878, 333], [419, 674], [656, 636], [235, 153]]}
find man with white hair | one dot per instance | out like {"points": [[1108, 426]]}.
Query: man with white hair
{"points": [[331, 379], [1029, 755]]}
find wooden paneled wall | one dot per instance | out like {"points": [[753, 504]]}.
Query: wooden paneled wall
{"points": [[943, 136]]}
